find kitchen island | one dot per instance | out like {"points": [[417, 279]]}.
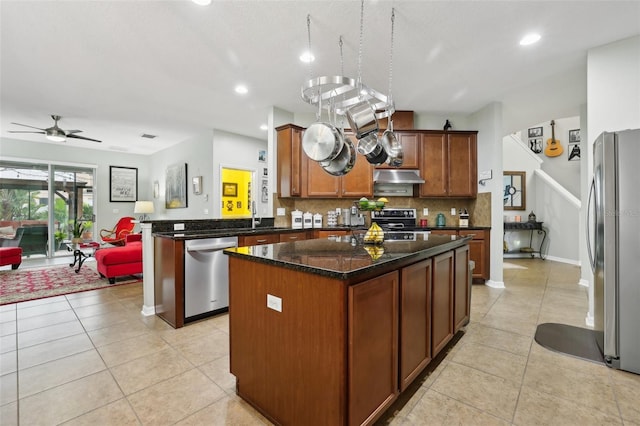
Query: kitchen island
{"points": [[330, 332]]}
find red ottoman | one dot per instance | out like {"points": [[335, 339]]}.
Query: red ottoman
{"points": [[11, 256], [118, 261]]}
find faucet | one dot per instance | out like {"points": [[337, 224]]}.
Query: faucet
{"points": [[254, 220]]}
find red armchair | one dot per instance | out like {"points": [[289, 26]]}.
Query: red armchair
{"points": [[117, 235]]}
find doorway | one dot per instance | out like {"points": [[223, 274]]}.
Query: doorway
{"points": [[46, 198]]}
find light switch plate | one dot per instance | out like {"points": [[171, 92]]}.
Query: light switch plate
{"points": [[485, 174], [281, 211], [274, 302], [453, 211], [425, 212], [178, 226]]}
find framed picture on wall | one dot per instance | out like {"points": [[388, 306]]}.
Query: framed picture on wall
{"points": [[123, 184], [535, 132], [229, 189], [176, 186], [574, 135], [264, 191]]}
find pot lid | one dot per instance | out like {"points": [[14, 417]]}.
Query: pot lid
{"points": [[397, 176]]}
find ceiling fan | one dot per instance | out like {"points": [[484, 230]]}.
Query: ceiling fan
{"points": [[54, 133]]}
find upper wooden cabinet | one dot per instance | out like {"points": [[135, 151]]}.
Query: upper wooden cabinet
{"points": [[410, 142], [448, 163], [289, 161]]}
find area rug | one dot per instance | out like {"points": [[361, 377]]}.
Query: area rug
{"points": [[37, 283]]}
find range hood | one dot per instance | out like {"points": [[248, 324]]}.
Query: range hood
{"points": [[400, 176]]}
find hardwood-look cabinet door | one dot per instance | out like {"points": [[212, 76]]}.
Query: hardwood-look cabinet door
{"points": [[293, 236], [330, 234], [373, 347], [257, 240], [410, 142], [290, 157], [461, 292], [479, 252], [415, 321], [433, 165], [319, 183], [462, 165], [442, 302], [359, 181]]}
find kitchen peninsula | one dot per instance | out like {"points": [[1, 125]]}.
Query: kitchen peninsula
{"points": [[330, 332]]}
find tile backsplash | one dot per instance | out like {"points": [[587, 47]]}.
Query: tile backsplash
{"points": [[479, 209]]}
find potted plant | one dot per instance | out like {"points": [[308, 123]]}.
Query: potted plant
{"points": [[59, 237], [87, 233], [77, 227]]}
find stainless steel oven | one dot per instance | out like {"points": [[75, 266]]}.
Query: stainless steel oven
{"points": [[395, 219]]}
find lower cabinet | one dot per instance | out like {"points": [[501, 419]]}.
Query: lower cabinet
{"points": [[373, 347], [293, 236], [461, 289], [257, 240], [415, 321], [479, 248], [442, 302]]}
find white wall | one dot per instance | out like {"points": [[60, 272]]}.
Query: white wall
{"points": [[566, 172], [517, 157], [613, 93], [197, 153], [241, 152], [488, 122], [65, 153]]}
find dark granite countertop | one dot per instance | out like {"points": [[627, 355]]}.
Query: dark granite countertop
{"points": [[341, 259], [232, 232]]}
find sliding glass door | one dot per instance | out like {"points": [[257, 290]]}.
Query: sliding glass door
{"points": [[39, 202]]}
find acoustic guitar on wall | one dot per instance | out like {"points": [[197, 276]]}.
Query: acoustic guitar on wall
{"points": [[554, 148]]}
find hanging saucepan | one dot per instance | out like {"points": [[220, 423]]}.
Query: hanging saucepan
{"points": [[362, 119], [343, 162], [322, 141], [392, 146], [370, 147]]}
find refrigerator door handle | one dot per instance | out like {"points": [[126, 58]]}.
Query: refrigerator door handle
{"points": [[592, 260]]}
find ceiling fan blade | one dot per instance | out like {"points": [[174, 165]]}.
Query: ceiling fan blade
{"points": [[26, 125], [68, 132], [82, 137], [24, 131]]}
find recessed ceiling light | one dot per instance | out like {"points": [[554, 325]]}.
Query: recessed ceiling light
{"points": [[202, 2], [263, 127], [307, 57], [529, 39], [241, 89]]}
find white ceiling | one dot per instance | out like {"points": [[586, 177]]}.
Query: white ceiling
{"points": [[118, 69]]}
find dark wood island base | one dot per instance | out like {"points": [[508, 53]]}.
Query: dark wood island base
{"points": [[323, 334]]}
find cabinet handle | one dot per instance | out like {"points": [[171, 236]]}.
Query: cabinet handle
{"points": [[261, 241], [293, 238]]}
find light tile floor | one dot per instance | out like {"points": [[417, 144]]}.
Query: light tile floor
{"points": [[92, 358]]}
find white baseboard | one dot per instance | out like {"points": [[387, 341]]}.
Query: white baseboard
{"points": [[583, 282], [563, 260], [147, 311], [494, 284], [588, 320]]}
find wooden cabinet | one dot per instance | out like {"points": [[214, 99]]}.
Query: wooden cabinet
{"points": [[355, 184], [410, 142], [373, 347], [298, 176], [448, 164], [293, 236], [256, 240], [461, 288], [479, 252], [289, 161], [330, 234], [415, 321], [442, 302]]}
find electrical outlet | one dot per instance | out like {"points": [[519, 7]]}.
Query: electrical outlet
{"points": [[274, 303], [453, 211], [116, 211], [281, 211], [206, 211], [425, 212], [178, 226]]}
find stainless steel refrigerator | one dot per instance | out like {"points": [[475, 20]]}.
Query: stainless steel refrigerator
{"points": [[614, 247]]}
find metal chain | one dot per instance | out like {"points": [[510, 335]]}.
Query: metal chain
{"points": [[341, 56], [393, 18], [309, 44], [361, 39]]}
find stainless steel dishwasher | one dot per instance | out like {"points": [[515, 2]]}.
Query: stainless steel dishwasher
{"points": [[206, 276]]}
